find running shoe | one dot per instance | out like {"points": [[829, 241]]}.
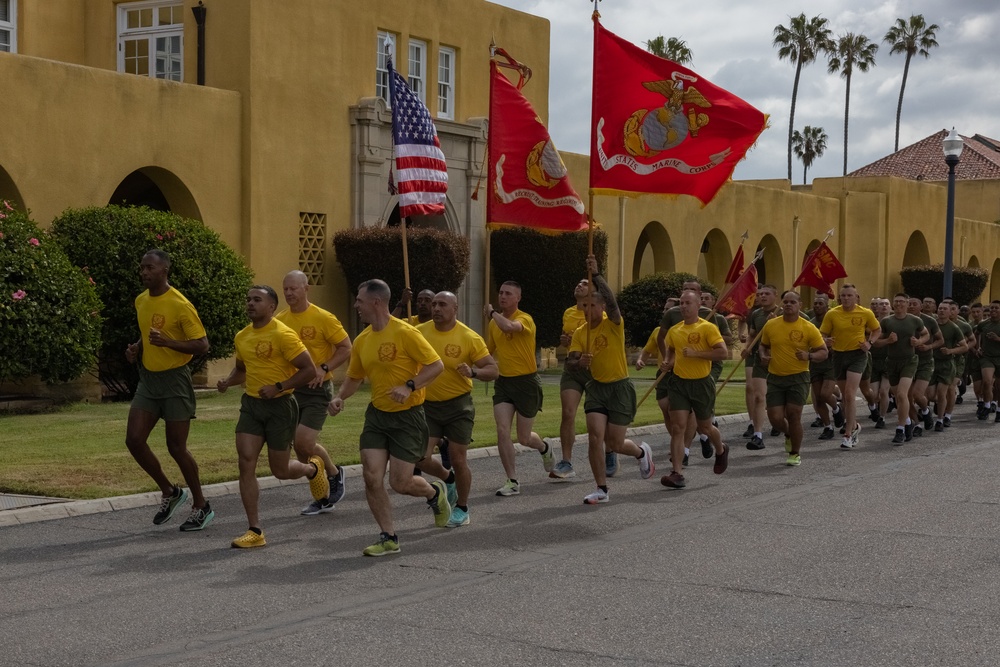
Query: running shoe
{"points": [[445, 458], [439, 504], [816, 422], [880, 423], [756, 442], [509, 488], [548, 460], [982, 413], [563, 470], [788, 445], [721, 461], [918, 430], [838, 418], [386, 545], [873, 414], [892, 404], [749, 432], [827, 433], [249, 540], [947, 422], [684, 461], [707, 449], [928, 418], [169, 505], [793, 460], [198, 519], [452, 494], [597, 497], [775, 432], [997, 420], [899, 438], [459, 517], [646, 466], [908, 433], [938, 427], [319, 485], [337, 486], [674, 480], [317, 507], [846, 443], [854, 434], [610, 464]]}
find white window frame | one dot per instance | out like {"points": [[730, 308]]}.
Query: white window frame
{"points": [[416, 67], [150, 34], [10, 26], [446, 85], [381, 70]]}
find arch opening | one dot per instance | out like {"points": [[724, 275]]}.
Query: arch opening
{"points": [[654, 252], [916, 252], [771, 267], [9, 191], [158, 189], [714, 257]]}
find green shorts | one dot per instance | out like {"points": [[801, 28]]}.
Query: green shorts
{"points": [[867, 373], [787, 389], [166, 394], [960, 366], [576, 380], [616, 400], [925, 368], [759, 370], [697, 395], [663, 388], [452, 419], [989, 362], [973, 368], [523, 391], [273, 418], [900, 368], [403, 434], [716, 371], [944, 371], [851, 361], [313, 404], [879, 366], [821, 371]]}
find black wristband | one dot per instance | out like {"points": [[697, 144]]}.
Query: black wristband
{"points": [[277, 385], [411, 384], [493, 312], [326, 369], [472, 371]]}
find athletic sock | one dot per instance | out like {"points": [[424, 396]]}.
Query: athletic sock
{"points": [[603, 488], [947, 415], [256, 530], [899, 428], [642, 453], [702, 437], [437, 492], [464, 508], [687, 450], [908, 422], [759, 434], [451, 477]]}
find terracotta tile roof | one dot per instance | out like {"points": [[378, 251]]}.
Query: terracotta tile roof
{"points": [[924, 161]]}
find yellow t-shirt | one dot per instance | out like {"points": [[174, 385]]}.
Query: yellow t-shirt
{"points": [[515, 353], [460, 345], [607, 344], [267, 353], [573, 318], [848, 328], [318, 329], [785, 339], [702, 335], [388, 358], [173, 315], [652, 348]]}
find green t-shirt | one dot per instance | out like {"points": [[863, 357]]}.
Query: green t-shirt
{"points": [[952, 337], [904, 328], [933, 328], [991, 348], [757, 320]]}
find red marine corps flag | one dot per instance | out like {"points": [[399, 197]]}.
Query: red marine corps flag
{"points": [[660, 128], [528, 182], [820, 270], [742, 295]]}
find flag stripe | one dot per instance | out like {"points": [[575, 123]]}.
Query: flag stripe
{"points": [[422, 175]]}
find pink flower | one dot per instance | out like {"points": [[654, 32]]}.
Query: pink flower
{"points": [[159, 237], [7, 204], [33, 241], [2, 216], [18, 295], [1, 235], [91, 280]]}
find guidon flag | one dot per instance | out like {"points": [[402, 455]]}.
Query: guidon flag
{"points": [[820, 270]]}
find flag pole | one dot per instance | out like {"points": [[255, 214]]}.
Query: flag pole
{"points": [[406, 268], [486, 282], [590, 251]]}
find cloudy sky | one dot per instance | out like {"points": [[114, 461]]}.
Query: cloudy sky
{"points": [[731, 44]]}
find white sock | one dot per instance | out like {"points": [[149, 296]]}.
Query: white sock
{"points": [[759, 434], [687, 450]]}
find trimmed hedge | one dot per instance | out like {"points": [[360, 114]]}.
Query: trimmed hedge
{"points": [[110, 241], [50, 322], [439, 260], [967, 283], [548, 267], [642, 302]]}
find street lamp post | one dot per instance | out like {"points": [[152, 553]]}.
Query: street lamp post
{"points": [[952, 146]]}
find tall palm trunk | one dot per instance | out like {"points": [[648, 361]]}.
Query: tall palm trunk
{"points": [[791, 116], [805, 170], [847, 114], [899, 107]]}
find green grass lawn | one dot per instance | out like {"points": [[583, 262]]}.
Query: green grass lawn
{"points": [[79, 451]]}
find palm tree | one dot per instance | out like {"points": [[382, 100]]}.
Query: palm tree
{"points": [[671, 49], [852, 52], [808, 146], [801, 41], [912, 37]]}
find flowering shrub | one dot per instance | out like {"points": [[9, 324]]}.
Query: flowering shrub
{"points": [[50, 320], [109, 242]]}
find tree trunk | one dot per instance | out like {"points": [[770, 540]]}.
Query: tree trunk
{"points": [[805, 170], [791, 116], [899, 107], [847, 114]]}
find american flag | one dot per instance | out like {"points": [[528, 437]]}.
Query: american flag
{"points": [[421, 171]]}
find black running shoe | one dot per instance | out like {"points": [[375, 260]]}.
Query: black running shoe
{"points": [[899, 438], [827, 433], [908, 432], [816, 423], [880, 423], [838, 419], [928, 420], [749, 432], [756, 442]]}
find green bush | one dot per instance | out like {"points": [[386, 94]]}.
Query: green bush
{"points": [[642, 302], [50, 323], [110, 241], [439, 260], [548, 267], [967, 282]]}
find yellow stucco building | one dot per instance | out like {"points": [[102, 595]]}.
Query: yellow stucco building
{"points": [[288, 140]]}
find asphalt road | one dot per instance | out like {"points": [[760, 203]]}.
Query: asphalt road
{"points": [[877, 556]]}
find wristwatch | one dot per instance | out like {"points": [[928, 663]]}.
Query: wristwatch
{"points": [[473, 371], [277, 385], [411, 385], [326, 369]]}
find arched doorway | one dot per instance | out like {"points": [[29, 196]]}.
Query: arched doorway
{"points": [[654, 253], [995, 281], [973, 262], [916, 252], [9, 191], [771, 267], [158, 189], [447, 222], [808, 293], [715, 257]]}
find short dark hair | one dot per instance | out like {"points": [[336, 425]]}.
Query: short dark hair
{"points": [[902, 294], [791, 291], [976, 305], [161, 255], [377, 288], [512, 283], [270, 292]]}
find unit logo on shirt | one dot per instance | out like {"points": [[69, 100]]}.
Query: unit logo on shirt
{"points": [[264, 349], [600, 343], [307, 333], [387, 352], [452, 351], [857, 321], [795, 336], [158, 321], [694, 338]]}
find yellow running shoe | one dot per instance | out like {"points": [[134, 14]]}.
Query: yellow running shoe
{"points": [[439, 505], [249, 540], [319, 485]]}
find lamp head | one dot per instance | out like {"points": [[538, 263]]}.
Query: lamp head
{"points": [[952, 145]]}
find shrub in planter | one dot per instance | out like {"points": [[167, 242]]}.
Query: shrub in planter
{"points": [[642, 302], [922, 281]]}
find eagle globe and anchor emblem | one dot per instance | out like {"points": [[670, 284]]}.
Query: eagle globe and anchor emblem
{"points": [[649, 131]]}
